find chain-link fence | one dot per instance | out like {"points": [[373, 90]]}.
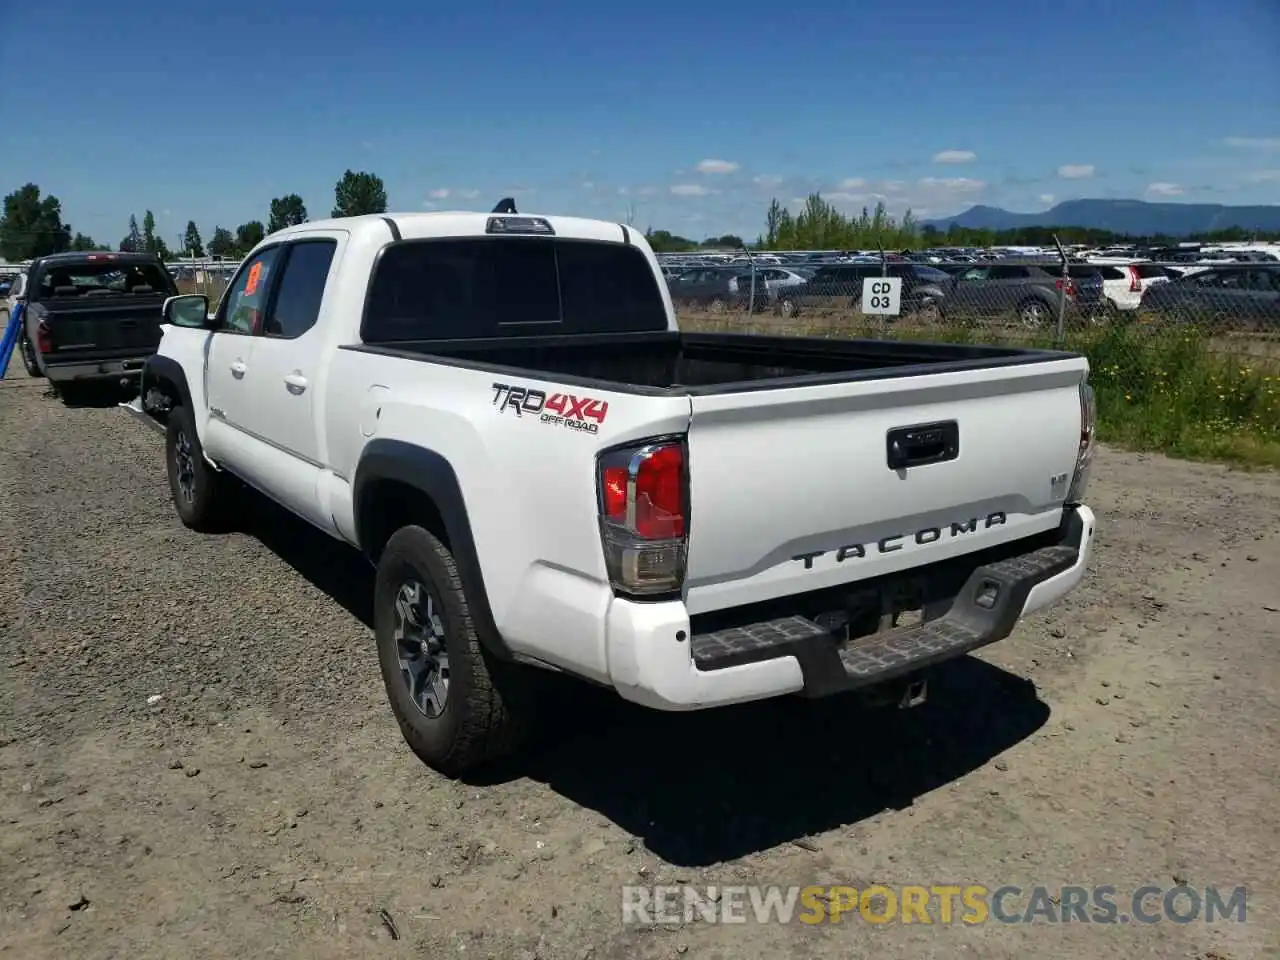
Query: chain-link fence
{"points": [[1184, 357]]}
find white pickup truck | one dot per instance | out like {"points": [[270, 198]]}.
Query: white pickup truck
{"points": [[500, 412]]}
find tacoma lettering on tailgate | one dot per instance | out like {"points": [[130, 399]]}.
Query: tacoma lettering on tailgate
{"points": [[894, 542], [585, 414]]}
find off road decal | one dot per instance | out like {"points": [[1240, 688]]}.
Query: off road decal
{"points": [[567, 410]]}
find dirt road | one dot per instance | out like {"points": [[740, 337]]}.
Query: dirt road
{"points": [[196, 759]]}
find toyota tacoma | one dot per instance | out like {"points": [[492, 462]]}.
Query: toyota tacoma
{"points": [[501, 413]]}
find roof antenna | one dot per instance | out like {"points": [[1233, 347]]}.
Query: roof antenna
{"points": [[505, 205]]}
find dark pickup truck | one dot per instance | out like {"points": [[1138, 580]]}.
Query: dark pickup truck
{"points": [[92, 318]]}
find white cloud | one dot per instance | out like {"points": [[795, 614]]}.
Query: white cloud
{"points": [[468, 194], [893, 186], [853, 183], [1046, 198], [1164, 189], [1076, 171], [1264, 176], [1255, 143], [689, 190], [717, 166], [766, 180], [844, 196], [439, 193], [953, 184], [588, 185], [647, 191], [955, 156]]}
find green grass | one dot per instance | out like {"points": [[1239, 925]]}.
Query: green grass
{"points": [[1168, 392], [1159, 388]]}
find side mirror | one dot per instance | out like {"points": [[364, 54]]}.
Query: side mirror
{"points": [[188, 310]]}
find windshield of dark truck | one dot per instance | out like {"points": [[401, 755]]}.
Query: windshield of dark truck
{"points": [[104, 278], [489, 287]]}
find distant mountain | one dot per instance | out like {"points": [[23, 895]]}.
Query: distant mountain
{"points": [[1133, 217]]}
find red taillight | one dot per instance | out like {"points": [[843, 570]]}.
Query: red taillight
{"points": [[44, 342], [1067, 286], [614, 484], [1135, 281], [644, 516], [660, 494]]}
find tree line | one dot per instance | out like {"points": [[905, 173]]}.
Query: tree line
{"points": [[820, 225], [32, 225]]}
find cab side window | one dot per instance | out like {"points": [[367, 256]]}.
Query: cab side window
{"points": [[246, 299], [297, 302]]}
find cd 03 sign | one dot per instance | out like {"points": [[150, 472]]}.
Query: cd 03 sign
{"points": [[882, 295]]}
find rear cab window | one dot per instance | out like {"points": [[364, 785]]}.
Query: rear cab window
{"points": [[491, 287], [102, 278]]}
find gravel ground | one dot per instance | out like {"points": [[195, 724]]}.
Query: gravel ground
{"points": [[196, 759]]}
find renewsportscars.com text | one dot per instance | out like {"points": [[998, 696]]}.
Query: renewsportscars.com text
{"points": [[939, 903]]}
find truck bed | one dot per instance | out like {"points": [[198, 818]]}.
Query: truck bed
{"points": [[703, 363]]}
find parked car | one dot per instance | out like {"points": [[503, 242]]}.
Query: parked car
{"points": [[1239, 296], [1031, 291], [923, 286], [717, 288], [692, 519], [1125, 281], [92, 318]]}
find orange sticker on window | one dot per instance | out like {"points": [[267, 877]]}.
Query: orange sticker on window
{"points": [[255, 275]]}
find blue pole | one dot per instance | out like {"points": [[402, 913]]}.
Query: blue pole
{"points": [[10, 339]]}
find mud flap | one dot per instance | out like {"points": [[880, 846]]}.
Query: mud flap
{"points": [[134, 409]]}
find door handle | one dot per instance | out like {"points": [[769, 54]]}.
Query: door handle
{"points": [[238, 369], [295, 383], [924, 444]]}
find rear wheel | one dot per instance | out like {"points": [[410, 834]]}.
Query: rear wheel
{"points": [[1033, 314], [29, 356], [456, 704]]}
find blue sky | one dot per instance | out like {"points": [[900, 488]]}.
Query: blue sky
{"points": [[687, 115]]}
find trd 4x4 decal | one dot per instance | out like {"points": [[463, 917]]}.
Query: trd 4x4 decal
{"points": [[562, 409]]}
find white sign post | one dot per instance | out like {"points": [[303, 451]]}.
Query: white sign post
{"points": [[882, 296]]}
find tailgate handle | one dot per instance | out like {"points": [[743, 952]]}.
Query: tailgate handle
{"points": [[922, 444]]}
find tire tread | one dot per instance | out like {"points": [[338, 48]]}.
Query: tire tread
{"points": [[490, 723]]}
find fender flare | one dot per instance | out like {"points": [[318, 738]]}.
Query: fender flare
{"points": [[168, 370], [432, 475]]}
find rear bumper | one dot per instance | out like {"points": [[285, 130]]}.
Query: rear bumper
{"points": [[119, 368], [657, 660]]}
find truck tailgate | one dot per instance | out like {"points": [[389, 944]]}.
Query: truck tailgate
{"points": [[791, 489], [105, 325]]}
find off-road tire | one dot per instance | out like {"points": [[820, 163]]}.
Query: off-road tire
{"points": [[209, 509], [485, 712]]}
